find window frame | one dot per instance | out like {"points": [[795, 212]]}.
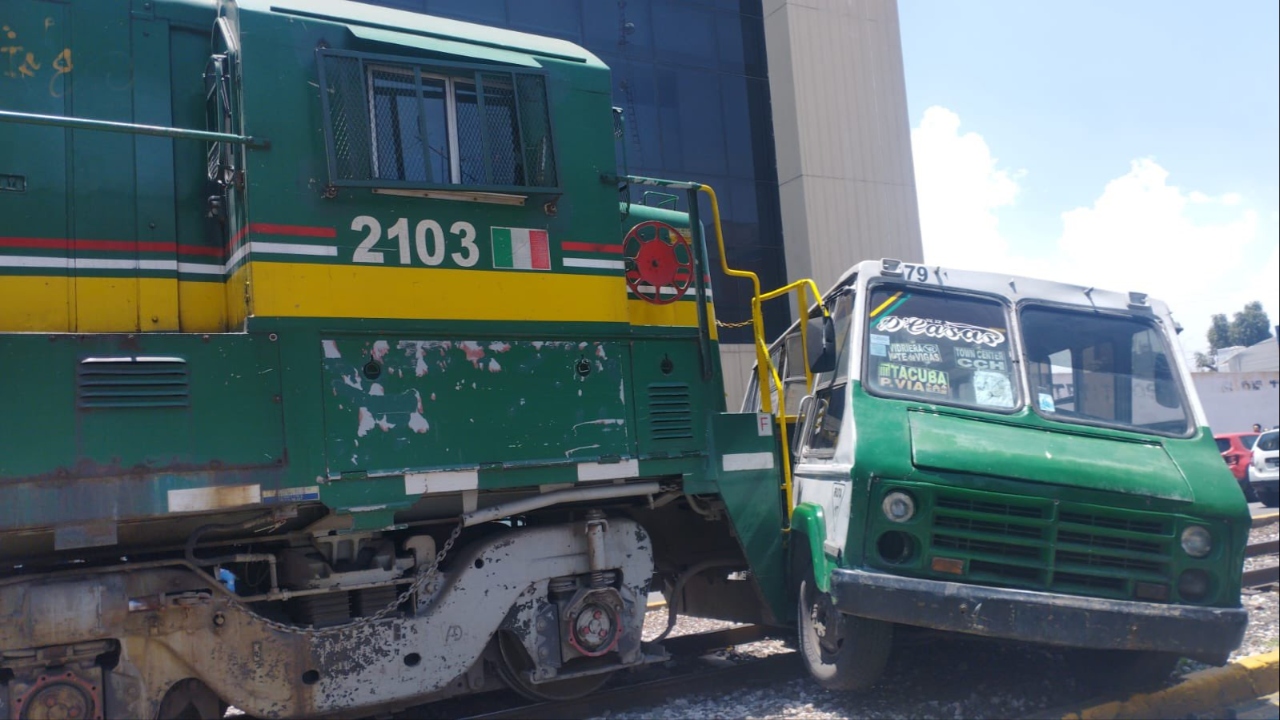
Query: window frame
{"points": [[839, 380], [450, 72]]}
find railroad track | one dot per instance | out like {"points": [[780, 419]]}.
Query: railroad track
{"points": [[1264, 576], [1268, 575], [719, 677]]}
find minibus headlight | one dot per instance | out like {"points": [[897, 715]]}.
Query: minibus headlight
{"points": [[898, 506], [1196, 541]]}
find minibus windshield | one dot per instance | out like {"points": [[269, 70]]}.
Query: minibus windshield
{"points": [[940, 347], [1098, 369]]}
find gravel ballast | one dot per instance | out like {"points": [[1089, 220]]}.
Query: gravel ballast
{"points": [[939, 676]]}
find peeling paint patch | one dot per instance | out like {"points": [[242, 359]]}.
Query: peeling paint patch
{"points": [[494, 367], [417, 423], [571, 451], [604, 421], [376, 389], [331, 349], [473, 352], [365, 422], [380, 350], [499, 346]]}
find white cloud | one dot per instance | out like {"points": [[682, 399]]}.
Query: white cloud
{"points": [[957, 180], [1140, 233]]}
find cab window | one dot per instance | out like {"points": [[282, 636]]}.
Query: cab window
{"points": [[405, 124], [831, 389]]}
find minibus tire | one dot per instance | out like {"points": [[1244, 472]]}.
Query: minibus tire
{"points": [[863, 650]]}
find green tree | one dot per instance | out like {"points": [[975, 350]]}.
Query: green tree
{"points": [[1249, 326], [1219, 332], [1206, 362]]}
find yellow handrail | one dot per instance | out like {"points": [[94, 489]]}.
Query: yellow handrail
{"points": [[766, 373]]}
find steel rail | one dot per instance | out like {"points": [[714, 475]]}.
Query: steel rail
{"points": [[1264, 576], [774, 668]]}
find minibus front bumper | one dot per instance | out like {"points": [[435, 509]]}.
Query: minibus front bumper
{"points": [[1208, 634]]}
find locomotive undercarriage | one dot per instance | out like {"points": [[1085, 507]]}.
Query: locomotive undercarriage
{"points": [[549, 604]]}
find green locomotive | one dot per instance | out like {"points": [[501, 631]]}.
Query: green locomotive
{"points": [[336, 378]]}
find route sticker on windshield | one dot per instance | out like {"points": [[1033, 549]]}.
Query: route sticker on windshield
{"points": [[1046, 402], [981, 359], [992, 389], [914, 379], [926, 353], [879, 345], [944, 329]]}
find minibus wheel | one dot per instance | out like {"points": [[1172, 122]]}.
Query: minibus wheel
{"points": [[841, 652]]}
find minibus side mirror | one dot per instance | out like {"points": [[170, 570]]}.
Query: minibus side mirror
{"points": [[820, 344]]}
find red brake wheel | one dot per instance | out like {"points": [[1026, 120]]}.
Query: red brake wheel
{"points": [[658, 262]]}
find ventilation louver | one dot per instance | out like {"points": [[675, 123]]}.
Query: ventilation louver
{"points": [[133, 382]]}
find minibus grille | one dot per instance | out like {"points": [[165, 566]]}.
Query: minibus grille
{"points": [[1038, 544]]}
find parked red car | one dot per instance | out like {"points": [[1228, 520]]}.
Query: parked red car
{"points": [[1237, 449]]}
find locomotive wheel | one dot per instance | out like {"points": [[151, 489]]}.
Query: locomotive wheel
{"points": [[190, 699], [513, 661], [841, 652]]}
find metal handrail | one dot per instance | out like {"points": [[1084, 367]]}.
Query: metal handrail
{"points": [[766, 374], [75, 123]]}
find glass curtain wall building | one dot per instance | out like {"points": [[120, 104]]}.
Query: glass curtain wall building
{"points": [[691, 77]]}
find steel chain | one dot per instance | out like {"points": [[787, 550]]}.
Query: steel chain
{"points": [[422, 577], [744, 323]]}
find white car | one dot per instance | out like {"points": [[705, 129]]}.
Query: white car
{"points": [[1264, 475]]}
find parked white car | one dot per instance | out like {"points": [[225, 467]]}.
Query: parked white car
{"points": [[1264, 475]]}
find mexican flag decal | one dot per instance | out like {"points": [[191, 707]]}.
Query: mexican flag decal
{"points": [[520, 249]]}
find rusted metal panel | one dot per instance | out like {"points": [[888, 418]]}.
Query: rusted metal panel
{"points": [[174, 624]]}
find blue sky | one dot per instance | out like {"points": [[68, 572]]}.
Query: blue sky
{"points": [[1133, 145]]}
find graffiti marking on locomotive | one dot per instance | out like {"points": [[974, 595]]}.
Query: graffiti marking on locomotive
{"points": [[24, 64], [428, 244]]}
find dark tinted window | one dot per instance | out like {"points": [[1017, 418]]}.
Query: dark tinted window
{"points": [[1223, 444], [1247, 441], [1267, 442]]}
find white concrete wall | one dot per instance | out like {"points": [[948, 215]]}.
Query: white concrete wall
{"points": [[1233, 402], [843, 141]]}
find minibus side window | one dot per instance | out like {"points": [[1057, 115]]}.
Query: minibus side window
{"points": [[831, 388]]}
